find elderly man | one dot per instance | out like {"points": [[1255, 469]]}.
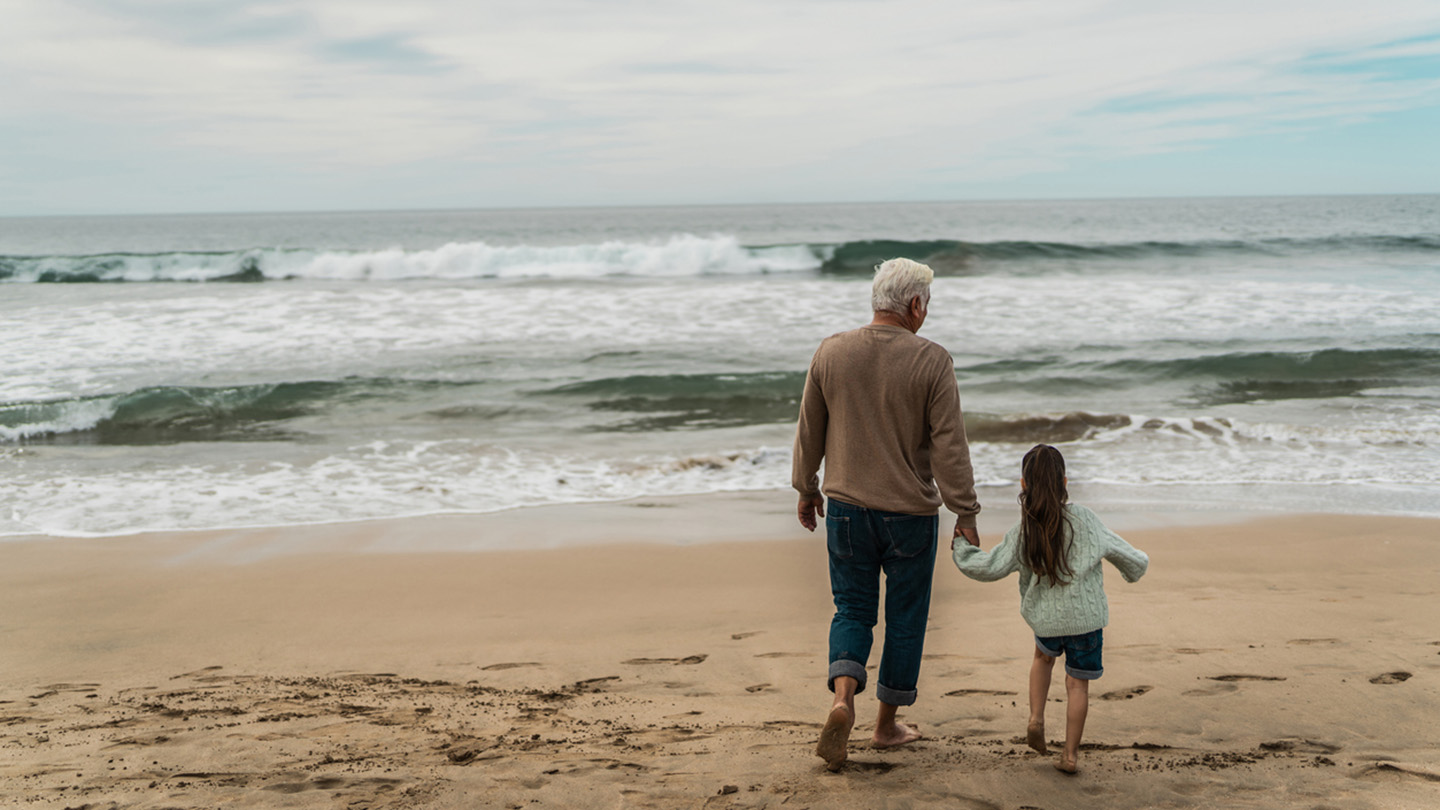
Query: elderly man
{"points": [[882, 408]]}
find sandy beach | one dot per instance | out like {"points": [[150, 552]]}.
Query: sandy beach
{"points": [[668, 654]]}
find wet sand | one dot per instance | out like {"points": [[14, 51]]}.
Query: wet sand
{"points": [[1276, 662]]}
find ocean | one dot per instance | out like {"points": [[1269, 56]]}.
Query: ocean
{"points": [[208, 371]]}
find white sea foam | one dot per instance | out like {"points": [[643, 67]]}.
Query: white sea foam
{"points": [[377, 480], [109, 340], [51, 492], [18, 423], [677, 256], [101, 344]]}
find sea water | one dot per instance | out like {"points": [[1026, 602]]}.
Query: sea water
{"points": [[164, 372]]}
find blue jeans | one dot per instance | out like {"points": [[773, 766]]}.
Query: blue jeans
{"points": [[863, 542], [1083, 653]]}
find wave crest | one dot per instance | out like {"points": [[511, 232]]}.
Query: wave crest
{"points": [[678, 256]]}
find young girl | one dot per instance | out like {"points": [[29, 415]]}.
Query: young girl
{"points": [[1057, 548]]}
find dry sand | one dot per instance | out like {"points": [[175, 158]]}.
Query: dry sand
{"points": [[1279, 662]]}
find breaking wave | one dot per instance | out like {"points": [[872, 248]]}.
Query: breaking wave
{"points": [[679, 256]]}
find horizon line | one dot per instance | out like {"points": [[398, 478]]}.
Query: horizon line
{"points": [[638, 206]]}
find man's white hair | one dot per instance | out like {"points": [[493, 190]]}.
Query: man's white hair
{"points": [[897, 282]]}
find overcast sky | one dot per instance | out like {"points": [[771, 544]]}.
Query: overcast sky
{"points": [[132, 106]]}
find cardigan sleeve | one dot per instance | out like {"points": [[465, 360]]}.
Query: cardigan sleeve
{"points": [[1130, 561], [988, 566]]}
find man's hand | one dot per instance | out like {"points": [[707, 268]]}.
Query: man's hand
{"points": [[808, 509], [971, 535]]}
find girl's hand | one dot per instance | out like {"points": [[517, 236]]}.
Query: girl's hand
{"points": [[971, 535]]}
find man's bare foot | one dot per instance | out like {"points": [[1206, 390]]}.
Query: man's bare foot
{"points": [[1035, 738], [895, 734], [1065, 765], [835, 737]]}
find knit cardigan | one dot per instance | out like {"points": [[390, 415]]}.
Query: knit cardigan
{"points": [[1076, 607]]}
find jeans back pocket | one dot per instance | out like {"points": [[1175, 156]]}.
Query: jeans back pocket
{"points": [[910, 535]]}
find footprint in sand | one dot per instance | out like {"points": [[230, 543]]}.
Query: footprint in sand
{"points": [[783, 655], [1298, 745], [1391, 677], [1220, 689], [195, 673], [1234, 678], [739, 636], [759, 687], [56, 688], [1196, 650], [687, 660], [1402, 771], [593, 684], [514, 665], [1313, 641], [870, 767], [1126, 694], [968, 692]]}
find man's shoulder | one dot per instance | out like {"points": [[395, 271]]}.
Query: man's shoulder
{"points": [[931, 347], [842, 336], [839, 342], [900, 337]]}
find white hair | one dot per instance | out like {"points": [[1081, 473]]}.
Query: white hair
{"points": [[897, 282]]}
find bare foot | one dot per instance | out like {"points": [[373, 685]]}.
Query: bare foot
{"points": [[895, 734], [835, 737], [1068, 766], [1035, 738]]}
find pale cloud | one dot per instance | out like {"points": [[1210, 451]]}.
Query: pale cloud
{"points": [[736, 100]]}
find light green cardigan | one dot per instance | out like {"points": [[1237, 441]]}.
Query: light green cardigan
{"points": [[1076, 607]]}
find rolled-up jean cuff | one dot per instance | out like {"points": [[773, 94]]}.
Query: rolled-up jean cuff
{"points": [[1079, 674], [847, 668], [895, 697]]}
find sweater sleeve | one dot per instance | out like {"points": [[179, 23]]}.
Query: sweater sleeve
{"points": [[988, 566], [1130, 561], [809, 438], [950, 449]]}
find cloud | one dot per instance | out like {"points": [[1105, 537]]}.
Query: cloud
{"points": [[732, 101]]}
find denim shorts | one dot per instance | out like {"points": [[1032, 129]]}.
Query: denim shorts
{"points": [[1082, 653]]}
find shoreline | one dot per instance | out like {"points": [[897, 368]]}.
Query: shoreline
{"points": [[764, 514], [1258, 664]]}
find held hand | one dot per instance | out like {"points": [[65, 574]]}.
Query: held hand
{"points": [[808, 509], [971, 535]]}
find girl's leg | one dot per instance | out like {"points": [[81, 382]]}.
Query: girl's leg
{"points": [[1077, 695], [1040, 669]]}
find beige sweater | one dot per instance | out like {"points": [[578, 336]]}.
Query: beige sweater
{"points": [[882, 408]]}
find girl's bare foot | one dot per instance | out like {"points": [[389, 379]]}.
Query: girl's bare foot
{"points": [[894, 734], [835, 736], [1035, 737], [1065, 765]]}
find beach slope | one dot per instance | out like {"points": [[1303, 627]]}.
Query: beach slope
{"points": [[1282, 662]]}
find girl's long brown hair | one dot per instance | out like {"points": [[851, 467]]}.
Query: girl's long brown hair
{"points": [[1044, 526]]}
